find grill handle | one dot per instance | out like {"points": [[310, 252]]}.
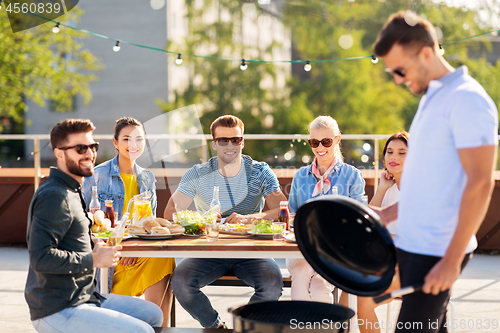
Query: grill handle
{"points": [[399, 292]]}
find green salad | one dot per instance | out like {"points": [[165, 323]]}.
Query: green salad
{"points": [[193, 222], [263, 226]]}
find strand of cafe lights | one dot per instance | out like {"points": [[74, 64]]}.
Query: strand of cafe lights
{"points": [[243, 65]]}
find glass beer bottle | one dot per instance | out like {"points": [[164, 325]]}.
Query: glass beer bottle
{"points": [[284, 214], [215, 200], [94, 203], [109, 212]]}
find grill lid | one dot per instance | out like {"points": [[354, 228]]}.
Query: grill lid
{"points": [[346, 243]]}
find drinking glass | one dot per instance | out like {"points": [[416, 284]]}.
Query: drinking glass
{"points": [[278, 231], [212, 231]]}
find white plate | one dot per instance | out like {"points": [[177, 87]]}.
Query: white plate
{"points": [[126, 236], [148, 236], [290, 237], [260, 235], [232, 232], [225, 229]]}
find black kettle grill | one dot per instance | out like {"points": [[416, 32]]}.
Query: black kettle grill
{"points": [[347, 244]]}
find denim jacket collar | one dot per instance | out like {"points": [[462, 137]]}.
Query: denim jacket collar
{"points": [[115, 169]]}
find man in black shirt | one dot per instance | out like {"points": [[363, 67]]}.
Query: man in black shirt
{"points": [[60, 285]]}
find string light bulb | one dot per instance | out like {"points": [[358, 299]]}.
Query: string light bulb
{"points": [[441, 50], [243, 65], [374, 58], [56, 28], [178, 61], [117, 47], [307, 66]]}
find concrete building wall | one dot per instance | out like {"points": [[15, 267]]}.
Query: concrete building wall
{"points": [[132, 79]]}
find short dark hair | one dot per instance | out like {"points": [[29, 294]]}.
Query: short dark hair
{"points": [[124, 122], [59, 133], [226, 121], [407, 29], [403, 136]]}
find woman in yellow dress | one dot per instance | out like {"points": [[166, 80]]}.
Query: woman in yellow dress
{"points": [[120, 179]]}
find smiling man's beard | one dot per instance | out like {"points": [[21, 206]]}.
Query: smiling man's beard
{"points": [[76, 170]]}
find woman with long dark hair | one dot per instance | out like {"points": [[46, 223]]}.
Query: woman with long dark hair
{"points": [[120, 179]]}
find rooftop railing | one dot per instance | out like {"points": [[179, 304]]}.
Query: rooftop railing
{"points": [[36, 138]]}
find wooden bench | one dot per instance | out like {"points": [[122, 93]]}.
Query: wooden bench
{"points": [[232, 281]]}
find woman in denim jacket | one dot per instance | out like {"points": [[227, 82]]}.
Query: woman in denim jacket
{"points": [[119, 179]]}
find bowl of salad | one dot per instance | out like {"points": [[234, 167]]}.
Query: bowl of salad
{"points": [[262, 227], [193, 222]]}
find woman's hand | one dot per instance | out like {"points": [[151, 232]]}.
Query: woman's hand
{"points": [[386, 180], [127, 261]]}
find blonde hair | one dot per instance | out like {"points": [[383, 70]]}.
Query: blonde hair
{"points": [[329, 123]]}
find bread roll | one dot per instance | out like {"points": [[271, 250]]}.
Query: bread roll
{"points": [[98, 217], [176, 228], [150, 223], [160, 231], [163, 222], [95, 228], [106, 225], [136, 230]]}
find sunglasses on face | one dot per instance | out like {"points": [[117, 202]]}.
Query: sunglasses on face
{"points": [[82, 149], [326, 142], [401, 71], [236, 141]]}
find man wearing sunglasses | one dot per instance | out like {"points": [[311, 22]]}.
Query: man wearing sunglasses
{"points": [[245, 185], [60, 285], [448, 174]]}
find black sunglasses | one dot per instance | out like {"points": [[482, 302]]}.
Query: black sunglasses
{"points": [[326, 142], [82, 149], [402, 71], [237, 140]]}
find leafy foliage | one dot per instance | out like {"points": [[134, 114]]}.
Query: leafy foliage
{"points": [[40, 65], [357, 93]]}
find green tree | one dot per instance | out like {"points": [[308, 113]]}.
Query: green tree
{"points": [[221, 87], [40, 65], [358, 93]]}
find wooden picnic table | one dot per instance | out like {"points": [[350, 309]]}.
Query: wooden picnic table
{"points": [[228, 246]]}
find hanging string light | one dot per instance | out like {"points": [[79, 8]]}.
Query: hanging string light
{"points": [[441, 50], [178, 61], [117, 47], [243, 65], [307, 66], [56, 28]]}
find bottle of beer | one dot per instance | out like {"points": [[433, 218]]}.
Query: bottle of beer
{"points": [[215, 200], [94, 203]]}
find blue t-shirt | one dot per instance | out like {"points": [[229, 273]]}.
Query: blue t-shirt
{"points": [[243, 193], [348, 179]]}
